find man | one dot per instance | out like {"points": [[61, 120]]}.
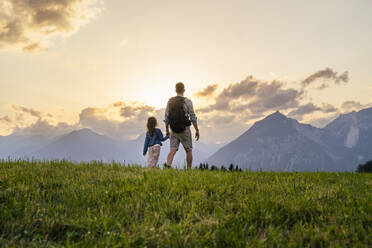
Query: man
{"points": [[179, 115]]}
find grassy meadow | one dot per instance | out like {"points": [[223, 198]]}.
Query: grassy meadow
{"points": [[45, 204]]}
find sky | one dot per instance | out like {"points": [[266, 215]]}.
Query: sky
{"points": [[108, 65]]}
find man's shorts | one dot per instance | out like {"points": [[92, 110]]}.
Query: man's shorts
{"points": [[184, 138]]}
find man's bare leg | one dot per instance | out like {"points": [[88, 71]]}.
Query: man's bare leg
{"points": [[189, 159], [170, 157]]}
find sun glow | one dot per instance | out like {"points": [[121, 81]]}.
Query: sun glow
{"points": [[156, 85]]}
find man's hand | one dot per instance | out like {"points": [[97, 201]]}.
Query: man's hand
{"points": [[197, 135]]}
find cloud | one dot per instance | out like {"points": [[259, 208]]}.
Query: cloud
{"points": [[328, 108], [218, 120], [207, 91], [251, 98], [29, 111], [117, 104], [30, 25], [310, 108], [44, 128], [255, 97], [139, 112], [354, 105], [119, 120], [6, 119], [245, 88], [304, 109], [323, 86], [273, 96], [98, 120], [23, 125], [326, 74], [32, 47]]}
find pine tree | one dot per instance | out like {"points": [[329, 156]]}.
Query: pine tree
{"points": [[367, 167]]}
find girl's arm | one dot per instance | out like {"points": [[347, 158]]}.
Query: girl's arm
{"points": [[161, 137], [146, 145]]}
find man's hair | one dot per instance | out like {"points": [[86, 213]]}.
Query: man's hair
{"points": [[180, 87]]}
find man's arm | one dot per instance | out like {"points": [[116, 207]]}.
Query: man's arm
{"points": [[166, 120], [193, 118]]}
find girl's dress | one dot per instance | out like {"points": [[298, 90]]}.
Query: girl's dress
{"points": [[152, 145]]}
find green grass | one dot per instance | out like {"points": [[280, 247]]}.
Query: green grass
{"points": [[84, 205]]}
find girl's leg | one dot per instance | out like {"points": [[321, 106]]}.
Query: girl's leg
{"points": [[150, 157], [156, 154]]}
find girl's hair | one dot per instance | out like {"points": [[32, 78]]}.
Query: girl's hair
{"points": [[151, 124]]}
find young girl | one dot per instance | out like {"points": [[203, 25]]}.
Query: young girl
{"points": [[154, 137]]}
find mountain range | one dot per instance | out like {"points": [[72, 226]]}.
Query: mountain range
{"points": [[279, 143], [275, 143], [86, 145]]}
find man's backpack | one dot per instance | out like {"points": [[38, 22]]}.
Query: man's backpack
{"points": [[178, 120]]}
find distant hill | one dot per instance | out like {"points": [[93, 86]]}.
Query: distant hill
{"points": [[19, 146], [86, 145], [82, 145], [280, 143], [354, 132]]}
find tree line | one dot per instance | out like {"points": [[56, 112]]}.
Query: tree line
{"points": [[232, 167], [367, 167]]}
